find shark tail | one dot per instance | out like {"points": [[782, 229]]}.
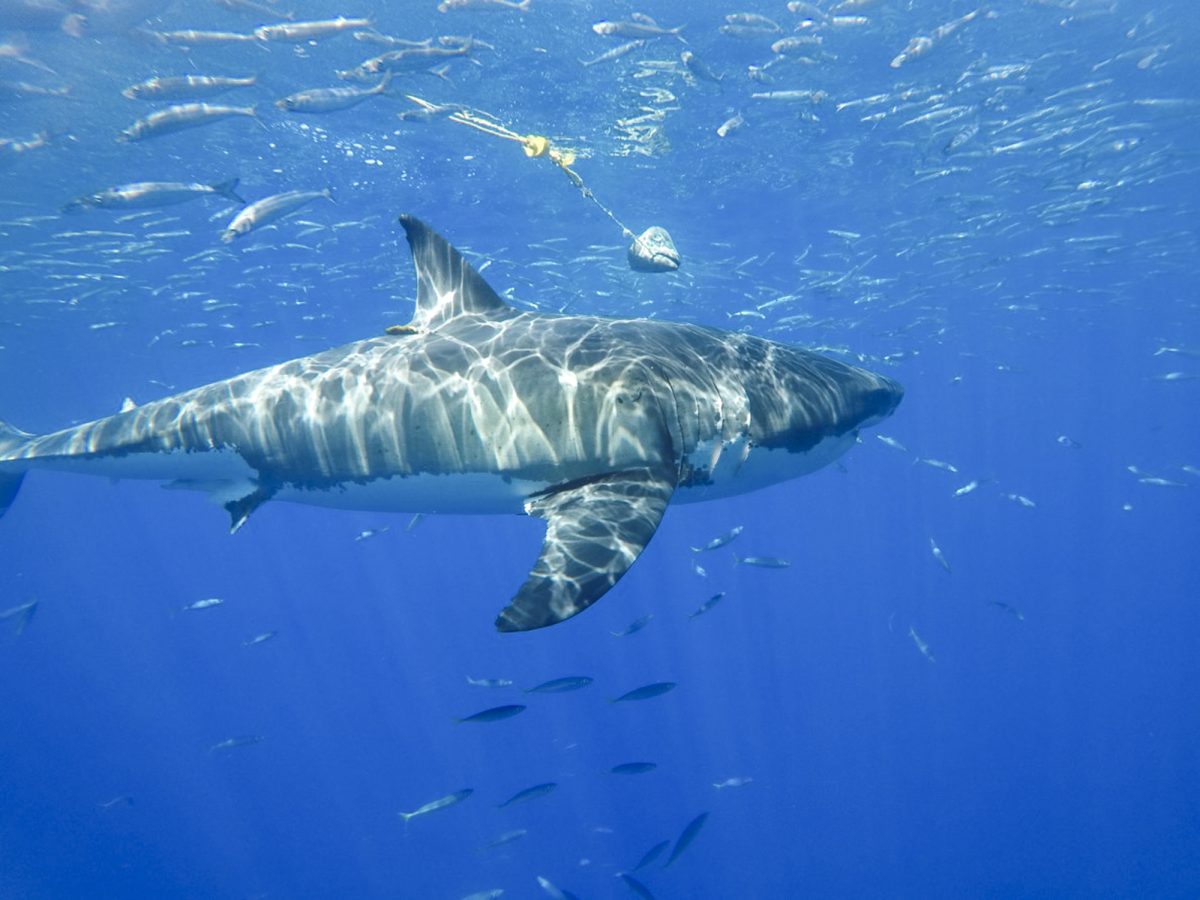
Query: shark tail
{"points": [[11, 439]]}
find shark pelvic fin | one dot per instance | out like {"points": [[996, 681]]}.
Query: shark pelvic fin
{"points": [[10, 481], [595, 529], [239, 510], [447, 285]]}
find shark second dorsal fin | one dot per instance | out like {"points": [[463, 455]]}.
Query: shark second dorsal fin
{"points": [[447, 285]]}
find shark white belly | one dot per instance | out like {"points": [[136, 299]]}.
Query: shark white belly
{"points": [[593, 425]]}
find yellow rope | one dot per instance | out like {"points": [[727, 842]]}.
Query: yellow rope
{"points": [[534, 146]]}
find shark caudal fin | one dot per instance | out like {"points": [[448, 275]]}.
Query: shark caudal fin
{"points": [[11, 440]]}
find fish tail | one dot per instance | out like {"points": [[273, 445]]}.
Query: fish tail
{"points": [[385, 82], [328, 195], [227, 189], [257, 118], [11, 441]]}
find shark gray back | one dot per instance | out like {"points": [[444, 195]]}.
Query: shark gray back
{"points": [[593, 425]]}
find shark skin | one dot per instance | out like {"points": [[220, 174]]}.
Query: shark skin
{"points": [[594, 425]]}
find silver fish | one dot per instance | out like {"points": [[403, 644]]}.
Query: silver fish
{"points": [[323, 100], [207, 603], [938, 555], [762, 562], [233, 743], [440, 803], [615, 53], [177, 118], [307, 31], [921, 645], [268, 210], [185, 87], [721, 540], [151, 194]]}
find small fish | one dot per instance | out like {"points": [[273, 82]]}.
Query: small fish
{"points": [[696, 66], [762, 562], [14, 53], [492, 894], [519, 5], [506, 838], [1068, 442], [267, 210], [736, 782], [308, 31], [489, 682], [966, 489], [185, 115], [152, 194], [652, 854], [530, 793], [722, 540], [646, 691], [406, 59], [634, 627], [643, 29], [960, 138], [369, 533], [185, 87], [1022, 500], [754, 20], [123, 800], [699, 569], [561, 685], [233, 743], [260, 10], [494, 714], [921, 645], [23, 614], [892, 442], [259, 638], [633, 768], [615, 53], [938, 555], [207, 603], [325, 100], [193, 37], [1155, 481], [636, 886], [707, 605], [1011, 610], [685, 839], [805, 96], [937, 464], [730, 125], [440, 803]]}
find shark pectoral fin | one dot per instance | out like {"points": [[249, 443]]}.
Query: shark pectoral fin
{"points": [[595, 529]]}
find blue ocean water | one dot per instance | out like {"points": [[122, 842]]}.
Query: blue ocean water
{"points": [[1003, 218]]}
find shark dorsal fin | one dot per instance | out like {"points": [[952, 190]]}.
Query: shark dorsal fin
{"points": [[447, 285]]}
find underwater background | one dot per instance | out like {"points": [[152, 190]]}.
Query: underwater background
{"points": [[977, 677]]}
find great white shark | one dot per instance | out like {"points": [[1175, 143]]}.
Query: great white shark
{"points": [[591, 424]]}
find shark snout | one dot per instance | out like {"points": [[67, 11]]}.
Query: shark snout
{"points": [[878, 398]]}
